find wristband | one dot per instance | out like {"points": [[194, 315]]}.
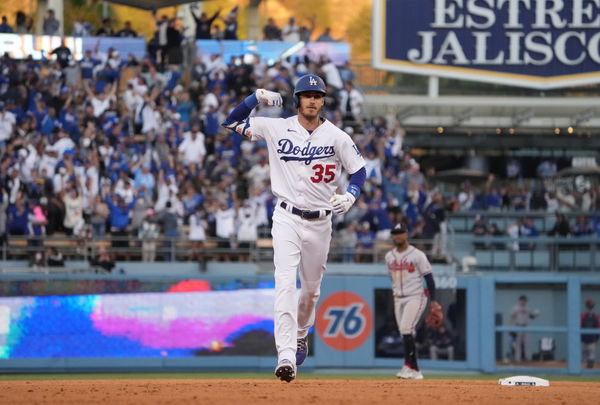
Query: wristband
{"points": [[354, 190]]}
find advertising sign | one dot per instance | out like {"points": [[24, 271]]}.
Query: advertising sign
{"points": [[344, 321], [151, 325], [39, 47], [540, 44], [270, 51]]}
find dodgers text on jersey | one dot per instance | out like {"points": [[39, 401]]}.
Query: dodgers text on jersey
{"points": [[307, 154]]}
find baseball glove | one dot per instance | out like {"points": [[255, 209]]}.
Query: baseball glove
{"points": [[435, 317]]}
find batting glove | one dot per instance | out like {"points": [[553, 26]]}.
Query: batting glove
{"points": [[269, 98], [341, 203]]}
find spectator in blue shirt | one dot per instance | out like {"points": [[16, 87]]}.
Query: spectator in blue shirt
{"points": [[119, 212], [365, 242], [378, 214], [583, 227], [49, 122], [39, 110], [597, 225], [227, 151], [51, 25], [144, 178], [326, 36], [119, 220], [211, 128], [528, 229], [493, 200], [394, 188], [191, 201], [520, 201], [87, 65], [18, 218], [4, 27]]}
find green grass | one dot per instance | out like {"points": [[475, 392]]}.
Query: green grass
{"points": [[265, 375]]}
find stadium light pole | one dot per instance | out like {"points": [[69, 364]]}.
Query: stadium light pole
{"points": [[104, 9], [253, 29]]}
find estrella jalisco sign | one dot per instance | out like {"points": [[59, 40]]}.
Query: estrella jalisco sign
{"points": [[531, 43]]}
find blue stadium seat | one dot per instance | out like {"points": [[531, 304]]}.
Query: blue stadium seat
{"points": [[574, 258], [492, 259], [533, 259]]}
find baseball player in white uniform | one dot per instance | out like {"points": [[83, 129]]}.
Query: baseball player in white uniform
{"points": [[307, 157], [407, 266]]}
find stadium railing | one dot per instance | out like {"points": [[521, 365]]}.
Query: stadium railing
{"points": [[543, 221], [129, 248], [505, 253], [501, 253]]}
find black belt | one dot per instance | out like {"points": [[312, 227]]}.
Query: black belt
{"points": [[304, 214]]}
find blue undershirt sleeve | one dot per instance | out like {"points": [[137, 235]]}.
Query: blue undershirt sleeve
{"points": [[357, 180], [242, 110], [430, 286]]}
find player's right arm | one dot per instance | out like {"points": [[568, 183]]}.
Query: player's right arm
{"points": [[389, 256], [238, 120]]}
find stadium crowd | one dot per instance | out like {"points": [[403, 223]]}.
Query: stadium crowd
{"points": [[111, 145]]}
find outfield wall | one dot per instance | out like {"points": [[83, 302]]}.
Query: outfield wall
{"points": [[147, 319]]}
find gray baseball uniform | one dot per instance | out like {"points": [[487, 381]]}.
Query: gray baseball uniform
{"points": [[407, 270]]}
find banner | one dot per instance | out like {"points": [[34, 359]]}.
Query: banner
{"points": [[270, 51], [538, 44], [170, 324], [39, 46]]}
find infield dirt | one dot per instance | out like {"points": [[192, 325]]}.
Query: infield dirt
{"points": [[300, 391]]}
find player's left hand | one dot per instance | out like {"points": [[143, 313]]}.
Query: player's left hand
{"points": [[435, 317], [341, 203], [269, 98]]}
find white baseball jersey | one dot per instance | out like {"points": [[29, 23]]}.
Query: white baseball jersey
{"points": [[305, 168], [407, 270]]}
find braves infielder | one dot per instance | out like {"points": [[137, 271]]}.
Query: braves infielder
{"points": [[306, 156], [407, 266]]}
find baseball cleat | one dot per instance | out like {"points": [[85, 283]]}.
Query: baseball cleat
{"points": [[301, 350], [285, 371], [408, 373]]}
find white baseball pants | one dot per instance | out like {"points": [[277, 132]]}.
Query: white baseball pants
{"points": [[408, 311], [304, 243]]}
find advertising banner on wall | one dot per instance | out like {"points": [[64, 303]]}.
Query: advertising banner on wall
{"points": [[39, 47], [270, 51], [529, 43], [147, 325]]}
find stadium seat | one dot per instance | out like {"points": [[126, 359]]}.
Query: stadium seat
{"points": [[539, 260]]}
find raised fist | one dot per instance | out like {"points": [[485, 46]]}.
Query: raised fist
{"points": [[269, 98]]}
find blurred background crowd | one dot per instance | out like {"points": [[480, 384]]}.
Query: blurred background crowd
{"points": [[112, 146]]}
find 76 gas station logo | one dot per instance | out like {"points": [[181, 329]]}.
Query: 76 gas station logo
{"points": [[344, 321]]}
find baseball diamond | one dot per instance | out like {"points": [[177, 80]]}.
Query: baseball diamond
{"points": [[343, 390]]}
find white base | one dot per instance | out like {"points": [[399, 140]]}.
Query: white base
{"points": [[524, 380]]}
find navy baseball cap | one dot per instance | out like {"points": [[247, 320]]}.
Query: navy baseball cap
{"points": [[399, 228]]}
